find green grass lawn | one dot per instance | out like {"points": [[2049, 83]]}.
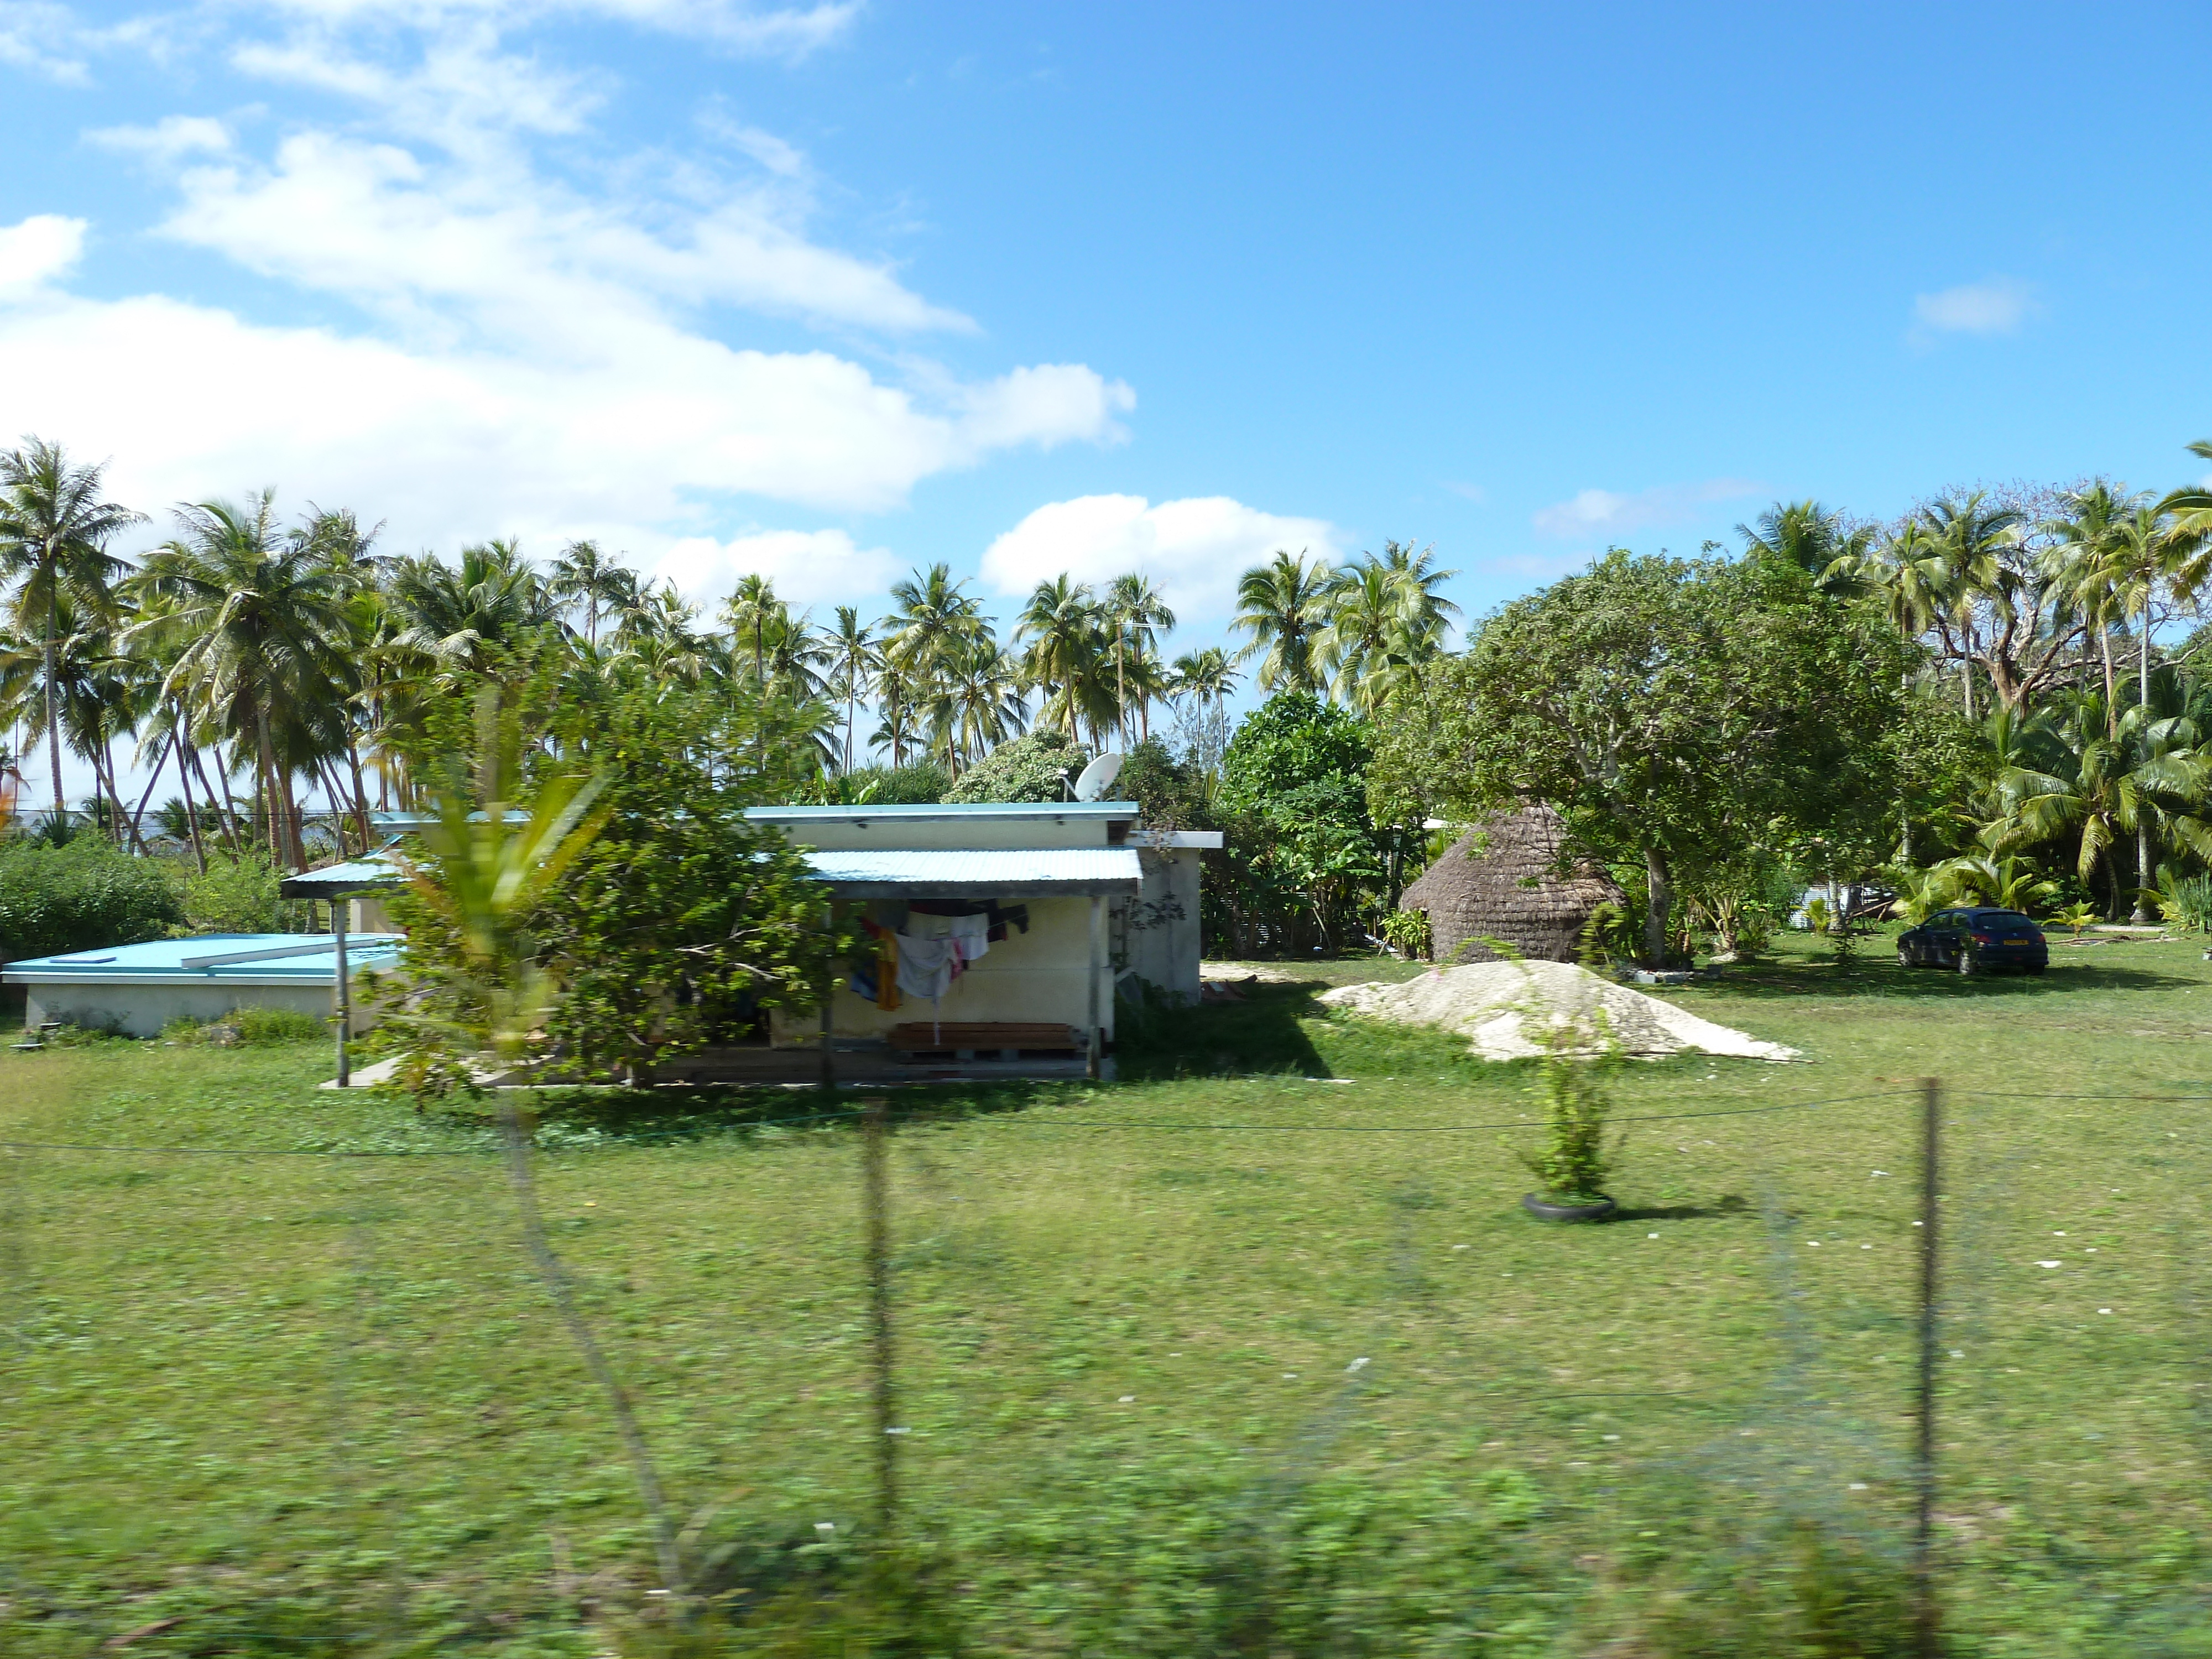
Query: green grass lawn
{"points": [[1198, 1362]]}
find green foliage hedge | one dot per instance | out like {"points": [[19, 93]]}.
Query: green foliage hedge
{"points": [[81, 897]]}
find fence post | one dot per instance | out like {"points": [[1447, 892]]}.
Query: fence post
{"points": [[877, 1201], [1927, 1624]]}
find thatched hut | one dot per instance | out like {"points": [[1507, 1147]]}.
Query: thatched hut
{"points": [[1503, 880]]}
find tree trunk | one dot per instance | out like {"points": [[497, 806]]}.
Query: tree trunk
{"points": [[160, 760], [187, 760], [265, 787], [360, 792], [232, 832], [1659, 904], [114, 792], [1966, 683], [295, 846], [54, 700]]}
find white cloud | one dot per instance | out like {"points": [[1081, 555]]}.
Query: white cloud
{"points": [[1195, 549], [168, 141], [657, 432], [1998, 306], [42, 39], [1475, 492], [808, 566], [752, 30], [544, 349], [1606, 512], [36, 252]]}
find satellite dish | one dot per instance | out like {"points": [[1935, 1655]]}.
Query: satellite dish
{"points": [[1098, 777]]}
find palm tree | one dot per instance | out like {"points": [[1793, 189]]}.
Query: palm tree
{"points": [[854, 657], [2151, 779], [895, 704], [978, 703], [795, 657], [584, 575], [1808, 536], [933, 614], [468, 620], [748, 613], [55, 526], [1415, 576], [1136, 616], [1062, 634], [258, 619], [2085, 553], [1283, 605]]}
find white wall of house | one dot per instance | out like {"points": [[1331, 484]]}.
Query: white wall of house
{"points": [[141, 1010], [1042, 976]]}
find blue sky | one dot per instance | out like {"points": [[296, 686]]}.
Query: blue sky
{"points": [[834, 291]]}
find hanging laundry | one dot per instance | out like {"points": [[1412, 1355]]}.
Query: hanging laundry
{"points": [[926, 966], [879, 980]]}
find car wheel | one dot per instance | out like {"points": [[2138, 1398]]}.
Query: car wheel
{"points": [[2039, 968], [1969, 964], [1903, 956]]}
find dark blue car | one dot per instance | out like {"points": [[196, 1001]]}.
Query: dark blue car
{"points": [[1973, 940]]}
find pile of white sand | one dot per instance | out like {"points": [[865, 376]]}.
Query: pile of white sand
{"points": [[1502, 1009]]}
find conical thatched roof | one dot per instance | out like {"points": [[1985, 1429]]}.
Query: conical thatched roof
{"points": [[1502, 880]]}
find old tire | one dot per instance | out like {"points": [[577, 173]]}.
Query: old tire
{"points": [[1543, 1210]]}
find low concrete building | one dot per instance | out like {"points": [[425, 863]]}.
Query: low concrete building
{"points": [[136, 990], [1066, 898]]}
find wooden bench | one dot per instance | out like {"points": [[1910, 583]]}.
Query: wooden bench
{"points": [[984, 1039]]}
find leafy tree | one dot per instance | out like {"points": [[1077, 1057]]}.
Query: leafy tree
{"points": [[1676, 713], [1170, 795], [1028, 768], [1301, 847]]}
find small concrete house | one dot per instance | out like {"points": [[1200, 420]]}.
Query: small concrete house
{"points": [[136, 990], [1007, 926]]}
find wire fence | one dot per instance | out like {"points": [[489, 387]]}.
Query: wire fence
{"points": [[860, 1379]]}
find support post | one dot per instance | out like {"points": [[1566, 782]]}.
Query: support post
{"points": [[1098, 1043], [875, 1200], [344, 990], [1927, 1624], [828, 1016]]}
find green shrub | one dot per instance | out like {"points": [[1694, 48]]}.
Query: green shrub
{"points": [[1406, 932], [1028, 768], [245, 1026], [81, 897], [922, 783], [1575, 1162], [239, 895]]}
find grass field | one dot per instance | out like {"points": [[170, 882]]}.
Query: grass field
{"points": [[1213, 1359]]}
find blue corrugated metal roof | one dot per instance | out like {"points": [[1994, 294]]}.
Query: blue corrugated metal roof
{"points": [[304, 958], [360, 875], [1011, 871], [966, 811]]}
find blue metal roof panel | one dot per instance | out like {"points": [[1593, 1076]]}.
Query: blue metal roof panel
{"points": [[969, 812], [265, 957], [1075, 869]]}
